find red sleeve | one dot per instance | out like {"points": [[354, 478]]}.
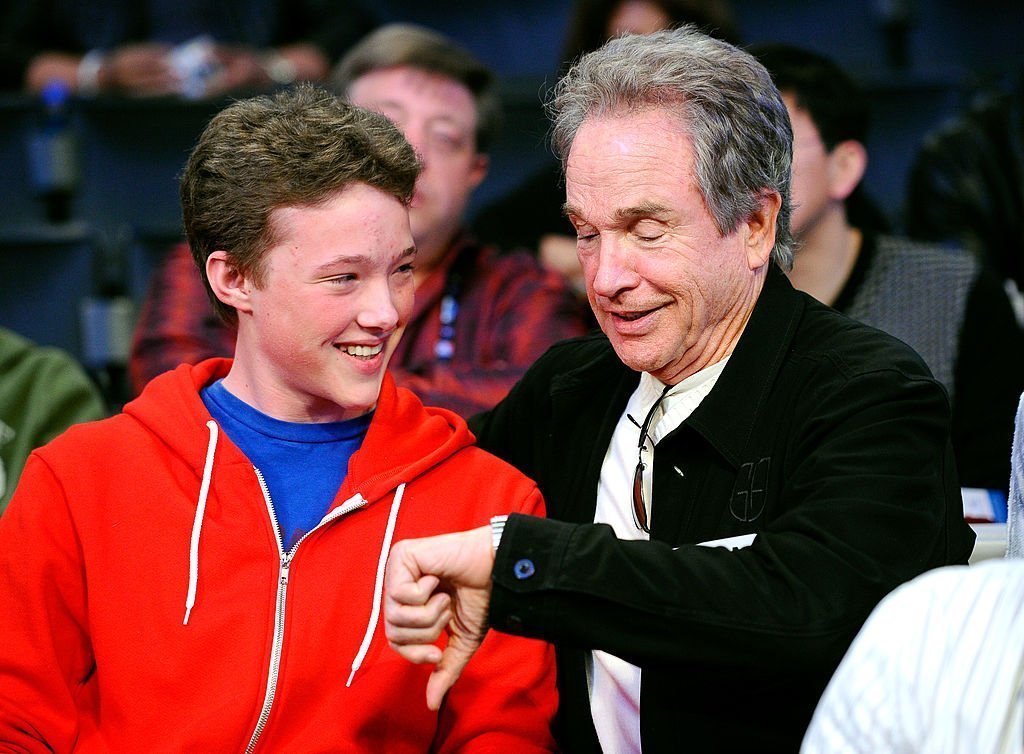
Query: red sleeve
{"points": [[45, 656], [177, 323]]}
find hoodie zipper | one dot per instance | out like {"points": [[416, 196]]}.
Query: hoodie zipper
{"points": [[277, 646]]}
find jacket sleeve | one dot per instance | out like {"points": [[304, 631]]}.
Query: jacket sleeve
{"points": [[868, 499], [525, 310], [177, 323], [45, 657], [505, 698]]}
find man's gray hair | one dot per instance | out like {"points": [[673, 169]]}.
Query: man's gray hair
{"points": [[734, 115]]}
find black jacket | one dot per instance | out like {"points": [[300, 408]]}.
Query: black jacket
{"points": [[825, 437]]}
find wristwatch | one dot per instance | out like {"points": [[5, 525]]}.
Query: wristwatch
{"points": [[497, 529]]}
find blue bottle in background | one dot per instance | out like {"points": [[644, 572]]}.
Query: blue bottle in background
{"points": [[53, 154]]}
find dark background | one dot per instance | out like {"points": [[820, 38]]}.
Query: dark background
{"points": [[920, 61]]}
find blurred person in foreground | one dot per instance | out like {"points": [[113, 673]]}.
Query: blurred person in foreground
{"points": [[735, 473], [480, 318], [204, 571]]}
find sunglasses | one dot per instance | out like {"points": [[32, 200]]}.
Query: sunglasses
{"points": [[639, 505]]}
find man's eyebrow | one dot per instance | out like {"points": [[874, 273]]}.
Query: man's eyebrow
{"points": [[626, 214], [642, 210]]}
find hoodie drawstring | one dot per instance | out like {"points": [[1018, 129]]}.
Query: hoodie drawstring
{"points": [[197, 523], [378, 587]]}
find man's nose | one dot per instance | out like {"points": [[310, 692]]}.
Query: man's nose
{"points": [[613, 268]]}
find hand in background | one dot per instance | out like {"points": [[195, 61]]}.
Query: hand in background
{"points": [[139, 69], [244, 67]]}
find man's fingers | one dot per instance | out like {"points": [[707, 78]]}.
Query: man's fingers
{"points": [[419, 653], [412, 630], [452, 662], [413, 626], [405, 588]]}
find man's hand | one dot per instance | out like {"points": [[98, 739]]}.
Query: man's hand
{"points": [[434, 583]]}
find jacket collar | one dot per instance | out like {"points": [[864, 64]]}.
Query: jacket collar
{"points": [[726, 418]]}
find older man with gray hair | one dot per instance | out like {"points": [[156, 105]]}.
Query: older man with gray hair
{"points": [[737, 474]]}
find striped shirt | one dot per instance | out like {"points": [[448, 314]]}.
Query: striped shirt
{"points": [[937, 668]]}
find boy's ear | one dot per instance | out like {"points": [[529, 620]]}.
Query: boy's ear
{"points": [[229, 284]]}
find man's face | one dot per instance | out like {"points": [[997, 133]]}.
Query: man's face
{"points": [[668, 290], [438, 116], [811, 187], [336, 293]]}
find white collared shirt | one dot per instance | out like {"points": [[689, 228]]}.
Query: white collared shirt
{"points": [[938, 667], [614, 683]]}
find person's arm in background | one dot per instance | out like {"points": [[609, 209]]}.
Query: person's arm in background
{"points": [[309, 38], [39, 45], [177, 323], [43, 391]]}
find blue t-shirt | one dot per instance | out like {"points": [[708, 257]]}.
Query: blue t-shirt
{"points": [[303, 465]]}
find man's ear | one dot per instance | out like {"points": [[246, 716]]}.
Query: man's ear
{"points": [[847, 163], [229, 284], [481, 164], [759, 229]]}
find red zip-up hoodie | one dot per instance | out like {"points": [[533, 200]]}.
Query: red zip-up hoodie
{"points": [[146, 604]]}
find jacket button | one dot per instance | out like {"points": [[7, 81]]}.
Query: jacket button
{"points": [[523, 569]]}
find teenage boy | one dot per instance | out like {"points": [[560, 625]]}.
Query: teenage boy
{"points": [[204, 571]]}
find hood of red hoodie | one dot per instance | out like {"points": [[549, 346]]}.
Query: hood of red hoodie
{"points": [[405, 438]]}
